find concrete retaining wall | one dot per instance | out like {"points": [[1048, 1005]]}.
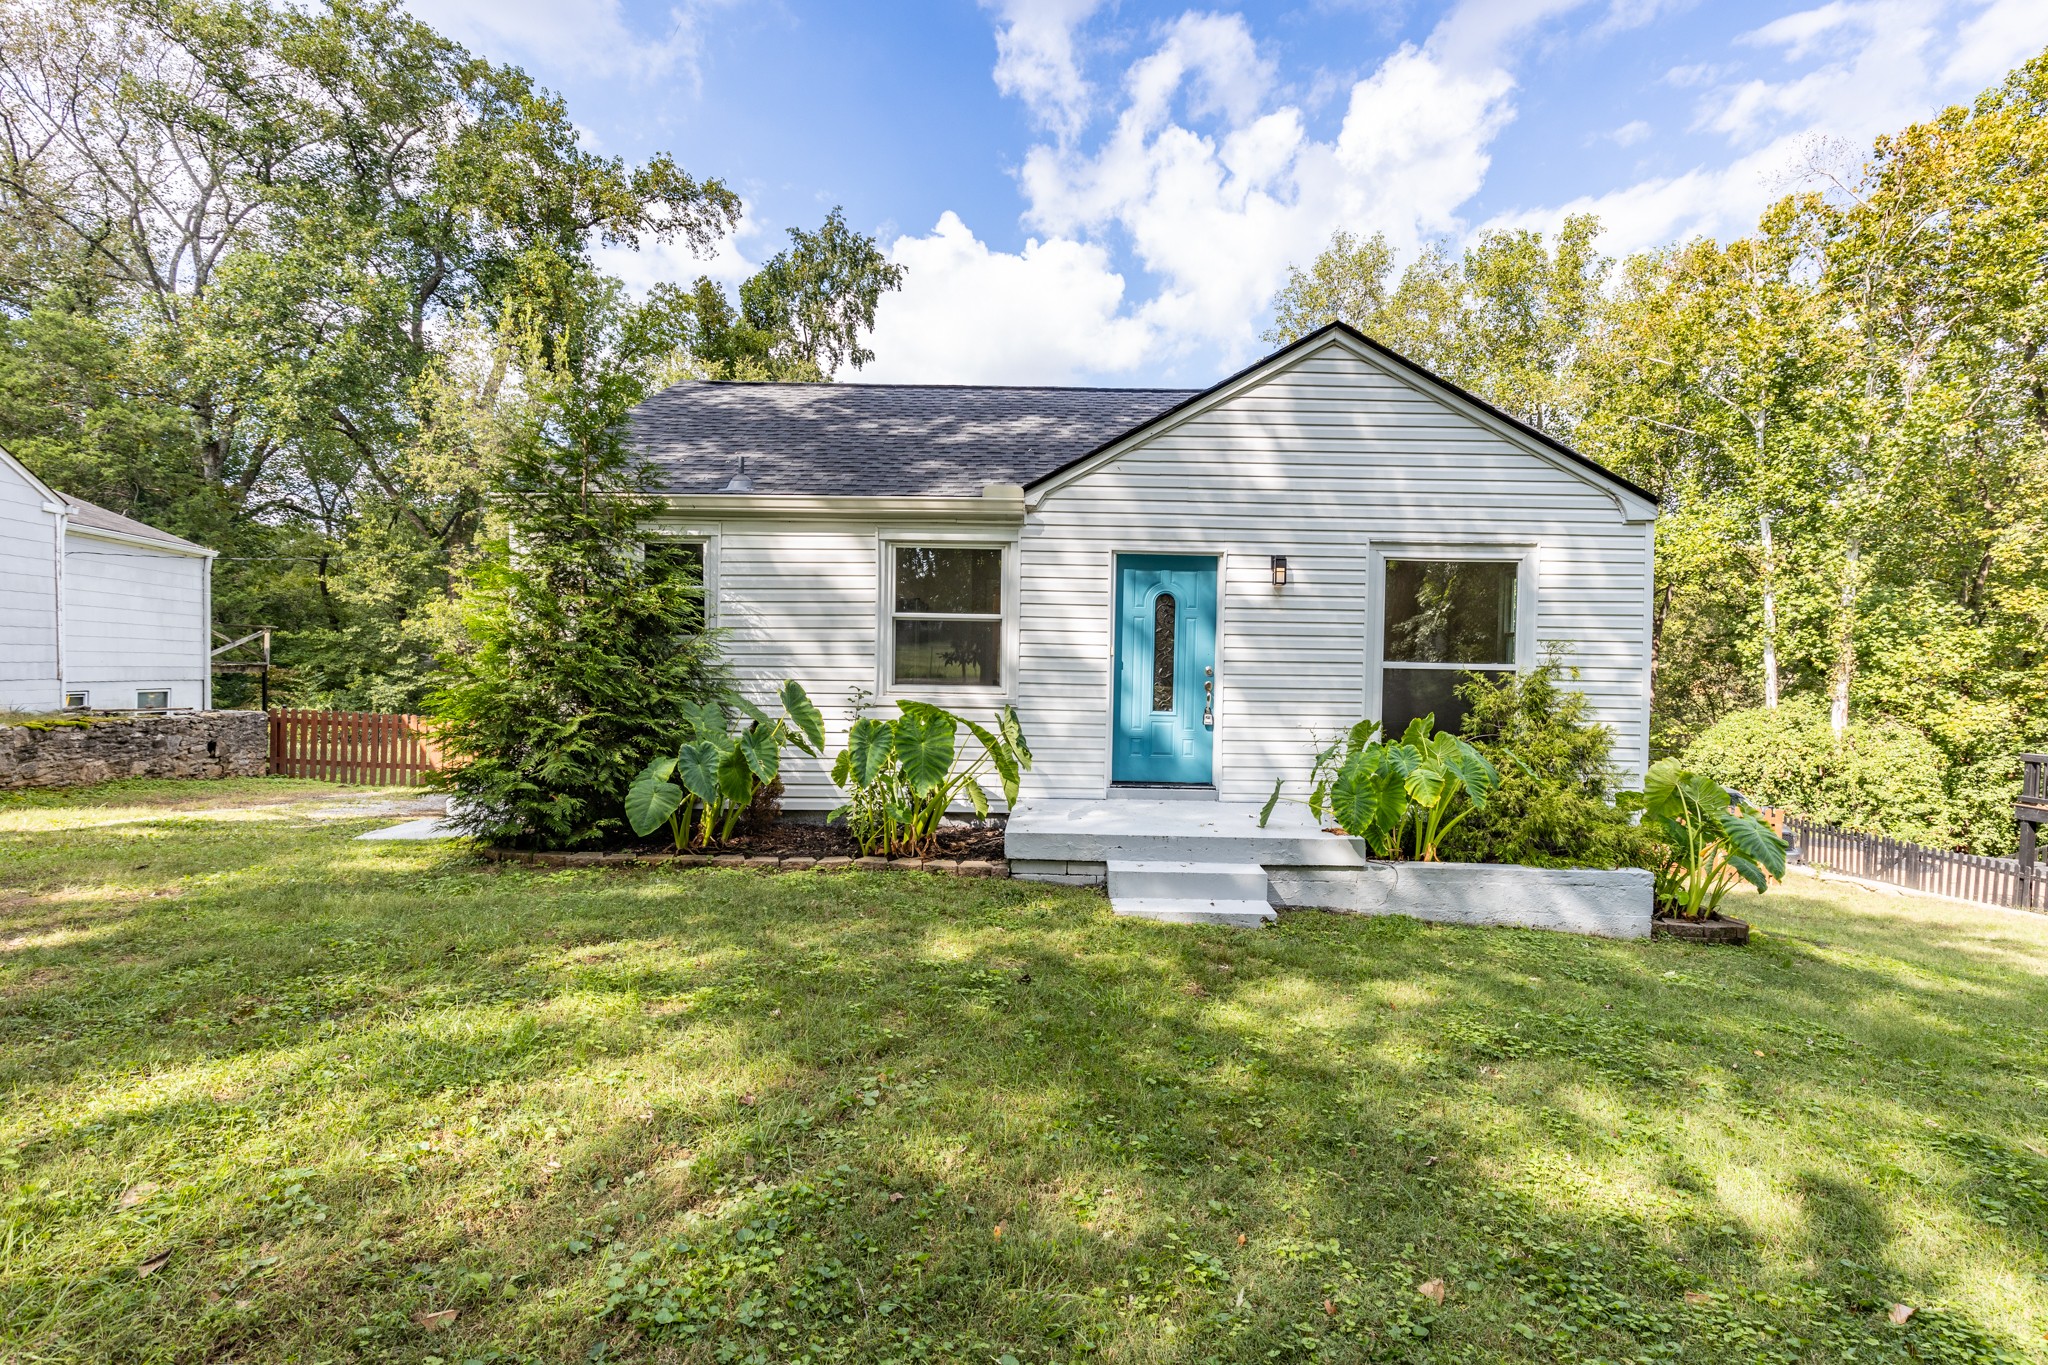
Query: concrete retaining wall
{"points": [[1609, 904], [72, 751]]}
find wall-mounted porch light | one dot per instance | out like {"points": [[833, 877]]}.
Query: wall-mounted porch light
{"points": [[1279, 571]]}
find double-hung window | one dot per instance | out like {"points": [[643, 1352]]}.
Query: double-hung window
{"points": [[945, 615], [1446, 620]]}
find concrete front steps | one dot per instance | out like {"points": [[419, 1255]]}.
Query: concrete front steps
{"points": [[1190, 893], [1191, 862]]}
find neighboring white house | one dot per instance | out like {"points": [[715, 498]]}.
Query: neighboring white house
{"points": [[1181, 592], [97, 609]]}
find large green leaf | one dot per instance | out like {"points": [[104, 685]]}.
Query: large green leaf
{"points": [[869, 746], [1366, 800], [652, 799], [1753, 839], [804, 714], [697, 770], [842, 767], [1361, 735], [704, 718], [1426, 782], [760, 748], [1660, 784], [977, 798], [924, 749], [736, 777], [1416, 736], [750, 711], [1013, 734], [998, 754]]}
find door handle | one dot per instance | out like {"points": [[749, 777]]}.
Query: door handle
{"points": [[1209, 698]]}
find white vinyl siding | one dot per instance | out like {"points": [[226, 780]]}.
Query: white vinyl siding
{"points": [[1319, 461], [28, 594], [135, 620]]}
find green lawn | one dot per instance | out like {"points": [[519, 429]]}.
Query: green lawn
{"points": [[272, 1095]]}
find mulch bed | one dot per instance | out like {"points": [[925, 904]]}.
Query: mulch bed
{"points": [[968, 850]]}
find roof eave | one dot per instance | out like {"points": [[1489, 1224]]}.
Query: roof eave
{"points": [[998, 504]]}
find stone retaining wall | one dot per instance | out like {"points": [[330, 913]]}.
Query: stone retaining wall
{"points": [[74, 751]]}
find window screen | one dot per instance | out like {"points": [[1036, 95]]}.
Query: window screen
{"points": [[1446, 620], [947, 615]]}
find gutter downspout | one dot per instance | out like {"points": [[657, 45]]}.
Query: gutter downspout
{"points": [[60, 515]]}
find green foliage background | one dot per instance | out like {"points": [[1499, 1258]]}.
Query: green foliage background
{"points": [[1845, 418]]}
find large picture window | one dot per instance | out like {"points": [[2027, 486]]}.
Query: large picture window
{"points": [[946, 614], [1445, 621]]}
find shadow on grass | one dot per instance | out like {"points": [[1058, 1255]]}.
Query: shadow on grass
{"points": [[724, 1116]]}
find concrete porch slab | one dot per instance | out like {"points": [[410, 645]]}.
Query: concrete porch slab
{"points": [[1092, 834]]}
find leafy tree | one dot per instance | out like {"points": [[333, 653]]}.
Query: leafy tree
{"points": [[573, 662], [800, 317]]}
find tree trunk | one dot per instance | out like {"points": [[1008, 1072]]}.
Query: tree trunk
{"points": [[1770, 615], [1845, 647]]}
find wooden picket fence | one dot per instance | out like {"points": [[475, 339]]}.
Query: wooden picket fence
{"points": [[365, 747], [1932, 871]]}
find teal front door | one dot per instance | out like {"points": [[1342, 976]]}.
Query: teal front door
{"points": [[1165, 670]]}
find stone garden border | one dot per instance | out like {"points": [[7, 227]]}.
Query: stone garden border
{"points": [[955, 867]]}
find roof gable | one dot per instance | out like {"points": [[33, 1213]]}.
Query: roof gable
{"points": [[1629, 497]]}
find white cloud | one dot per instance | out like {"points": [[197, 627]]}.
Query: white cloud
{"points": [[592, 38], [1214, 187], [2003, 34], [1871, 66], [1049, 314], [1196, 167], [1036, 62]]}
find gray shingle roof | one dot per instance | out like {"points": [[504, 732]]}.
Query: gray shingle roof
{"points": [[879, 440], [92, 516]]}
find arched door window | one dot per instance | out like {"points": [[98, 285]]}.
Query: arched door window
{"points": [[1164, 614]]}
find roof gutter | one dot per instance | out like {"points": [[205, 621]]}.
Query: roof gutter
{"points": [[170, 547], [1000, 504]]}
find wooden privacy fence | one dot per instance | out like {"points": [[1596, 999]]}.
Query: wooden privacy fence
{"points": [[1932, 871], [367, 747]]}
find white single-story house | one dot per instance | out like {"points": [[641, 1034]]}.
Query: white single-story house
{"points": [[1181, 592], [97, 609]]}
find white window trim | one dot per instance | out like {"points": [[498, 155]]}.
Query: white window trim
{"points": [[84, 699], [689, 536], [142, 692], [887, 542], [1522, 553]]}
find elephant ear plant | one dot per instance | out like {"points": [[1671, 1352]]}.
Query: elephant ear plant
{"points": [[1714, 838], [702, 792], [1401, 796], [900, 777]]}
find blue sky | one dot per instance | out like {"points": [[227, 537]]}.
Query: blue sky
{"points": [[1087, 191]]}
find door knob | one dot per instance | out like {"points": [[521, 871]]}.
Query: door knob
{"points": [[1209, 699]]}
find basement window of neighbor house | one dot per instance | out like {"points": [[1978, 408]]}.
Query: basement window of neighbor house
{"points": [[152, 701], [946, 615], [1447, 620]]}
